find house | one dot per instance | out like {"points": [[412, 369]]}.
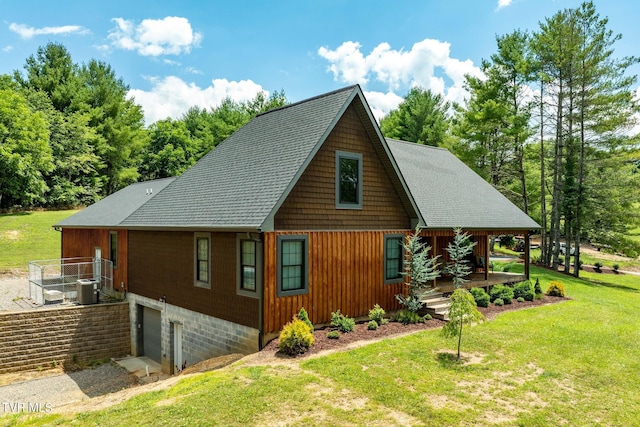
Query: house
{"points": [[304, 206]]}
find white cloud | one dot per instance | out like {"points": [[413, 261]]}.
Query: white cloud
{"points": [[172, 35], [193, 70], [347, 62], [172, 97], [503, 3], [382, 103], [427, 64], [7, 48], [28, 32]]}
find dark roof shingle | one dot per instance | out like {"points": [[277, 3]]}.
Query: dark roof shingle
{"points": [[450, 194]]}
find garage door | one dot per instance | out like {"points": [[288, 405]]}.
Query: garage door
{"points": [[151, 328]]}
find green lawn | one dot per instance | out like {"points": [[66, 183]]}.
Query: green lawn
{"points": [[572, 363], [28, 236]]}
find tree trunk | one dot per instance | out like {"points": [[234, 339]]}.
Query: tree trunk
{"points": [[544, 257], [557, 180], [460, 338]]}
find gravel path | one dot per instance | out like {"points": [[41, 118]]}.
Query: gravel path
{"points": [[50, 393], [14, 295]]}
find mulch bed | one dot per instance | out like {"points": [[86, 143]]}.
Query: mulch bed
{"points": [[361, 333]]}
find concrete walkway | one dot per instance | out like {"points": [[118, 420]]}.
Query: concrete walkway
{"points": [[145, 369]]}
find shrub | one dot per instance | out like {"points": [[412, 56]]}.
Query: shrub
{"points": [[334, 335], [537, 289], [616, 267], [556, 289], [598, 266], [426, 317], [296, 337], [482, 298], [505, 293], [302, 315], [407, 317], [343, 323], [520, 299], [524, 290], [372, 325], [498, 302], [377, 315]]}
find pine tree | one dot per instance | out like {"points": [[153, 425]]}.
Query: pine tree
{"points": [[420, 268], [459, 249]]}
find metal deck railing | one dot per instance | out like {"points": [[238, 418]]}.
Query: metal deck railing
{"points": [[55, 280]]}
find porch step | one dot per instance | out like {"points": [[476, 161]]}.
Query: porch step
{"points": [[437, 306]]}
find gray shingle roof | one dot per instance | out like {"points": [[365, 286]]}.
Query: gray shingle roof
{"points": [[238, 184], [450, 194], [242, 182], [112, 210]]}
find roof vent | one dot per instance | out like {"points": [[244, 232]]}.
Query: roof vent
{"points": [[149, 191]]}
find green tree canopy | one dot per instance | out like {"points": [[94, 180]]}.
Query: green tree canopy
{"points": [[423, 117], [25, 155]]}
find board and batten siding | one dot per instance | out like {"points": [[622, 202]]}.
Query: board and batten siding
{"points": [[81, 242], [345, 273], [311, 204]]}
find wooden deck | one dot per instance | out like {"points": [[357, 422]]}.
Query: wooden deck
{"points": [[477, 281]]}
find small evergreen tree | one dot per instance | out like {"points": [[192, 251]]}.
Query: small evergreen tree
{"points": [[302, 315], [420, 268], [459, 249], [463, 310]]}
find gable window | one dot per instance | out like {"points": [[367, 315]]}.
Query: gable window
{"points": [[248, 265], [348, 180], [393, 258], [293, 274], [202, 260], [113, 248]]}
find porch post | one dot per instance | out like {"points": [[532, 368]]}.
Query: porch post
{"points": [[527, 255], [486, 255], [434, 253]]}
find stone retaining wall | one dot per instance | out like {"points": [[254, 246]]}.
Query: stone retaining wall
{"points": [[42, 338]]}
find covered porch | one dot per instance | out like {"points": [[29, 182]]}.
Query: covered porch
{"points": [[478, 280], [478, 260]]}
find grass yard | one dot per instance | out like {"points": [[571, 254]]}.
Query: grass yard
{"points": [[28, 236], [575, 363]]}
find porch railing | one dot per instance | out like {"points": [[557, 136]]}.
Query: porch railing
{"points": [[55, 280]]}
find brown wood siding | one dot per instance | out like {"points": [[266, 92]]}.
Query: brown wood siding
{"points": [[161, 264], [78, 243], [311, 204], [345, 273]]}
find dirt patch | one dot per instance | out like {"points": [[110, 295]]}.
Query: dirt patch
{"points": [[13, 273], [12, 235]]}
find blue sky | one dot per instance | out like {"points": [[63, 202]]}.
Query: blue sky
{"points": [[174, 54]]}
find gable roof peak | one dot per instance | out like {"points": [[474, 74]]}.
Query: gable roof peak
{"points": [[313, 98]]}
